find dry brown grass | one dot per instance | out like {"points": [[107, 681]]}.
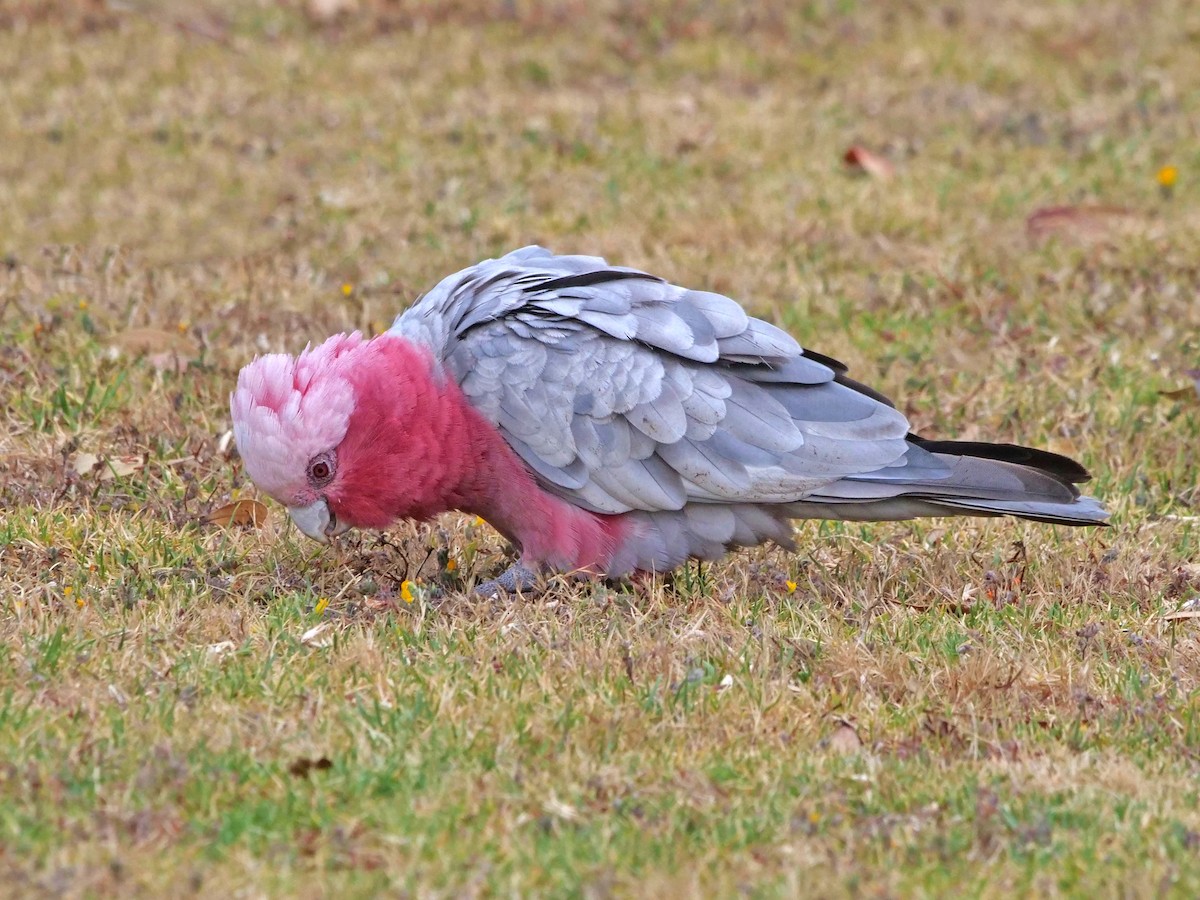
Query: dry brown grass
{"points": [[918, 708]]}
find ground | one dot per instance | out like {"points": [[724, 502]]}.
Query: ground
{"points": [[982, 707]]}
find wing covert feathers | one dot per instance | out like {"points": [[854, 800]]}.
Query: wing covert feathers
{"points": [[624, 393]]}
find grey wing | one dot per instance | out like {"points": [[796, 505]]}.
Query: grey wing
{"points": [[485, 292], [622, 392]]}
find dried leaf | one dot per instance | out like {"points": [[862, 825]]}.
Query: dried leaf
{"points": [[85, 463], [106, 468], [120, 466], [1186, 394], [1085, 224], [302, 768], [845, 739], [1181, 614], [318, 635], [860, 159], [239, 512]]}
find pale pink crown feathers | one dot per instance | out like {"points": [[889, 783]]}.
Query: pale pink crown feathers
{"points": [[286, 410]]}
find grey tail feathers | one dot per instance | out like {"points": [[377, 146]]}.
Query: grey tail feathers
{"points": [[940, 478]]}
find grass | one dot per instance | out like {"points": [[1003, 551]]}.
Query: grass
{"points": [[935, 708]]}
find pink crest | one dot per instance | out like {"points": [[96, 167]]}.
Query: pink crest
{"points": [[287, 409]]}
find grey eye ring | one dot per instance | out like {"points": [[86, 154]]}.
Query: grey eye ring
{"points": [[321, 469]]}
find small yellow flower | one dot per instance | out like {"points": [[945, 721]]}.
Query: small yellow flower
{"points": [[347, 289], [183, 327], [406, 593], [321, 606], [478, 520], [1167, 176], [83, 304], [67, 590], [80, 602], [451, 565], [791, 586], [814, 817]]}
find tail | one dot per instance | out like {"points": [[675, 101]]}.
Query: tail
{"points": [[961, 478]]}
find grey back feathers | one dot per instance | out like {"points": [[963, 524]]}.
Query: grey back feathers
{"points": [[623, 393]]}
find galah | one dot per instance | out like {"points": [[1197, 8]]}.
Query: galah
{"points": [[606, 421]]}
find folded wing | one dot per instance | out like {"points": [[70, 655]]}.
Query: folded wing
{"points": [[623, 392]]}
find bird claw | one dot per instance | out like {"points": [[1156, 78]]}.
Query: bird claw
{"points": [[515, 580]]}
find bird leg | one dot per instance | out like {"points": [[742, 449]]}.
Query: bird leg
{"points": [[517, 579]]}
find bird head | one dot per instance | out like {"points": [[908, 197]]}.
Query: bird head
{"points": [[291, 415], [353, 433]]}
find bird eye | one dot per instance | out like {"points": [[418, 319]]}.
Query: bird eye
{"points": [[320, 470]]}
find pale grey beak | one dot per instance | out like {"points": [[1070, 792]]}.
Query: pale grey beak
{"points": [[316, 521]]}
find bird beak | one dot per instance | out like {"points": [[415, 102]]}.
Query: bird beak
{"points": [[317, 521]]}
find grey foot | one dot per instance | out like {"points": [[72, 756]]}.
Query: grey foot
{"points": [[516, 580]]}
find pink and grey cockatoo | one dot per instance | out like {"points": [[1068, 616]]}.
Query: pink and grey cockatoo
{"points": [[606, 421]]}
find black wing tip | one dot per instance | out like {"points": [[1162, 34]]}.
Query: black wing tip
{"points": [[595, 276], [836, 364], [1061, 467]]}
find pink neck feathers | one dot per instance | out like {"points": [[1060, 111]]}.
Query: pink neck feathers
{"points": [[416, 447]]}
